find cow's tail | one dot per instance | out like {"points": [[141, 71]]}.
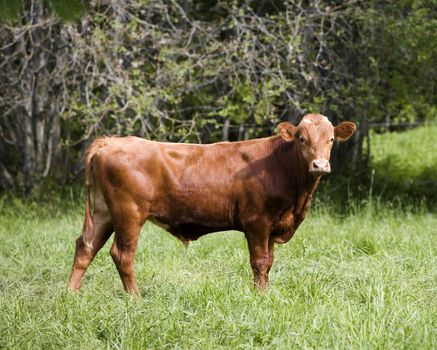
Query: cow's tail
{"points": [[88, 224]]}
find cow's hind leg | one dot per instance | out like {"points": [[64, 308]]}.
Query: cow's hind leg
{"points": [[123, 253], [84, 255]]}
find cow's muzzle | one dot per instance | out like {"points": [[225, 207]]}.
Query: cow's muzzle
{"points": [[320, 167]]}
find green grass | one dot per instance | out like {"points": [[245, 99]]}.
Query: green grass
{"points": [[405, 164], [364, 278], [401, 174]]}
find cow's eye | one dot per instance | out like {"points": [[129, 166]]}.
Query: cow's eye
{"points": [[332, 139], [301, 139]]}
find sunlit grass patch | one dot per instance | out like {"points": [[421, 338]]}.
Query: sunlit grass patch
{"points": [[359, 281], [406, 163]]}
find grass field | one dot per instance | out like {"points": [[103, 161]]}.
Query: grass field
{"points": [[362, 279], [406, 164]]}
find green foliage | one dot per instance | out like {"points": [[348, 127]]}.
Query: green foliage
{"points": [[203, 71], [10, 9], [251, 69], [400, 56], [67, 10]]}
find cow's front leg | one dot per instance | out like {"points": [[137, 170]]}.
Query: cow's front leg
{"points": [[261, 250]]}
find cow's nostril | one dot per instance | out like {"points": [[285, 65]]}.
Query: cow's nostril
{"points": [[315, 165]]}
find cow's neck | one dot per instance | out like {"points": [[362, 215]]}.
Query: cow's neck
{"points": [[297, 190], [302, 184]]}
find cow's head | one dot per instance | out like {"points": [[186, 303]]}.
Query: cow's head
{"points": [[315, 136]]}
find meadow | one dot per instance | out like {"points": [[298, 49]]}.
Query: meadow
{"points": [[363, 277]]}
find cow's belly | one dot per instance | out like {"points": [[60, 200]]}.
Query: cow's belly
{"points": [[189, 231], [192, 214]]}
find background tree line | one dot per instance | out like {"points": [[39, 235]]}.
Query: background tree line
{"points": [[203, 71]]}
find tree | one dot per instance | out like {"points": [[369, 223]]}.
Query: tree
{"points": [[204, 71]]}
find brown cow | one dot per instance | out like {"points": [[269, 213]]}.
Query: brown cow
{"points": [[261, 187]]}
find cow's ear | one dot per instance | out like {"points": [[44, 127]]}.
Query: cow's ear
{"points": [[287, 131], [344, 131]]}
